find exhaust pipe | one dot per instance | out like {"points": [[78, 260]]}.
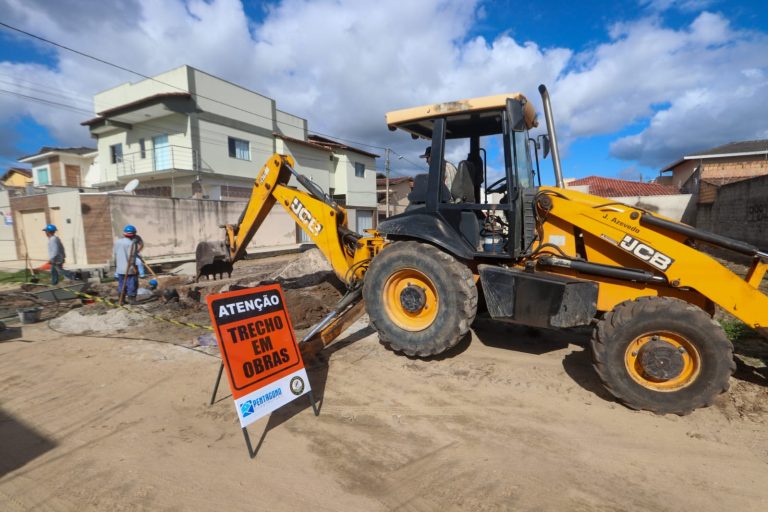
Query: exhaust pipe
{"points": [[552, 136]]}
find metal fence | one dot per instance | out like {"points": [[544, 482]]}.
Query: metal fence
{"points": [[158, 159]]}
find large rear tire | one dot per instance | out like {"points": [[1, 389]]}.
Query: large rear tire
{"points": [[419, 299], [663, 355]]}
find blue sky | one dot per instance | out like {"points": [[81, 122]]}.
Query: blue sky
{"points": [[635, 84]]}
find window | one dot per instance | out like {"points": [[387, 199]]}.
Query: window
{"points": [[359, 170], [42, 176], [142, 148], [523, 159], [239, 149], [116, 153], [363, 220]]}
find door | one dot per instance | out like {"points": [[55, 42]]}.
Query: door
{"points": [[72, 175], [162, 152], [302, 236], [34, 242], [363, 220]]}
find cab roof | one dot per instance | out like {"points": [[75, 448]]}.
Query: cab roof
{"points": [[465, 117]]}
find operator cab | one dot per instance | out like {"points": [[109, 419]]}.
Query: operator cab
{"points": [[469, 220]]}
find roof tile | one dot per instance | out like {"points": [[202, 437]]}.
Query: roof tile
{"points": [[612, 187]]}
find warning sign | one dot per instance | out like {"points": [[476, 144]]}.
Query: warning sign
{"points": [[258, 350]]}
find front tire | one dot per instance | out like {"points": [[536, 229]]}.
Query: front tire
{"points": [[663, 355], [419, 299]]}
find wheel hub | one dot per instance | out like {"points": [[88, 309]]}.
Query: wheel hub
{"points": [[413, 298], [661, 360]]}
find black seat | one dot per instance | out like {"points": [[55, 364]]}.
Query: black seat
{"points": [[418, 194]]}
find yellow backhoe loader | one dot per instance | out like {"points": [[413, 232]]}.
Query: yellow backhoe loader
{"points": [[541, 256]]}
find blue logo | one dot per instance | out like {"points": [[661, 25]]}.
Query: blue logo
{"points": [[246, 408], [249, 406]]}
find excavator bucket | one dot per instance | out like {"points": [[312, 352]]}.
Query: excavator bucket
{"points": [[212, 258]]}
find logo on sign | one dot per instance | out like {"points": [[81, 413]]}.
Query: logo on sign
{"points": [[249, 406], [646, 252], [297, 386]]}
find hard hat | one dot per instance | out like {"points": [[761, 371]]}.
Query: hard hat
{"points": [[129, 230], [153, 283], [50, 228]]}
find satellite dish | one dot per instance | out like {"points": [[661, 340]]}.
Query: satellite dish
{"points": [[131, 186]]}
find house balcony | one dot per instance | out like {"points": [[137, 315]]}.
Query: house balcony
{"points": [[158, 163]]}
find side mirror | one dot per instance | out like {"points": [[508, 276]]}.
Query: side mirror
{"points": [[545, 143], [516, 115]]}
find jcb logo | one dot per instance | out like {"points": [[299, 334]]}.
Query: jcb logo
{"points": [[646, 253], [305, 217], [262, 175]]}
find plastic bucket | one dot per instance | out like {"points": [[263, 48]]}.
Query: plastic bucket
{"points": [[29, 315]]}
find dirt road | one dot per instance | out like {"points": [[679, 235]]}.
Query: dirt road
{"points": [[513, 420]]}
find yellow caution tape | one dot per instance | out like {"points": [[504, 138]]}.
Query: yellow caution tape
{"points": [[144, 313]]}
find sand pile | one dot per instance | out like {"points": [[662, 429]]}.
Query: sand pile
{"points": [[108, 321]]}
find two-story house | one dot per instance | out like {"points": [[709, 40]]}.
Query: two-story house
{"points": [[63, 167], [186, 133]]}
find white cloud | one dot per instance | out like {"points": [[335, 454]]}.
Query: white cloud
{"points": [[343, 63]]}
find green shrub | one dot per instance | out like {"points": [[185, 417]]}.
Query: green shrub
{"points": [[735, 329]]}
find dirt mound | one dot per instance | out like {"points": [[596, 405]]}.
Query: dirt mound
{"points": [[101, 321]]}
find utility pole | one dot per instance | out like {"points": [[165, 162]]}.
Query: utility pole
{"points": [[386, 169]]}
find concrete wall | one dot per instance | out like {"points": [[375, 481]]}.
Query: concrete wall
{"points": [[214, 150], [64, 211], [30, 237], [740, 211], [7, 237], [60, 206], [246, 106], [672, 206], [682, 172], [173, 227], [359, 191], [290, 125], [314, 163], [130, 92]]}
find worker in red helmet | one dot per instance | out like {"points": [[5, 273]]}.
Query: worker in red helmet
{"points": [[125, 252]]}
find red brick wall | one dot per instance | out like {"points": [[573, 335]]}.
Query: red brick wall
{"points": [[748, 166], [97, 225], [54, 172]]}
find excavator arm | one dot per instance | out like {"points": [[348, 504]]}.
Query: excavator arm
{"points": [[324, 221], [315, 212]]}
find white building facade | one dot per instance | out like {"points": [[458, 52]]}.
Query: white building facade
{"points": [[188, 134]]}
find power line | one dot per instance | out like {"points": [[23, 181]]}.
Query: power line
{"points": [[123, 68], [161, 129]]}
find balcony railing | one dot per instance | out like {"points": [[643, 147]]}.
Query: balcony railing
{"points": [[168, 158]]}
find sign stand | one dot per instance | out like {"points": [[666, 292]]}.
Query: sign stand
{"points": [[216, 386], [248, 445], [259, 352]]}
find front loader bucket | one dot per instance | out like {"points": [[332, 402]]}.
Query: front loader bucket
{"points": [[212, 258]]}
